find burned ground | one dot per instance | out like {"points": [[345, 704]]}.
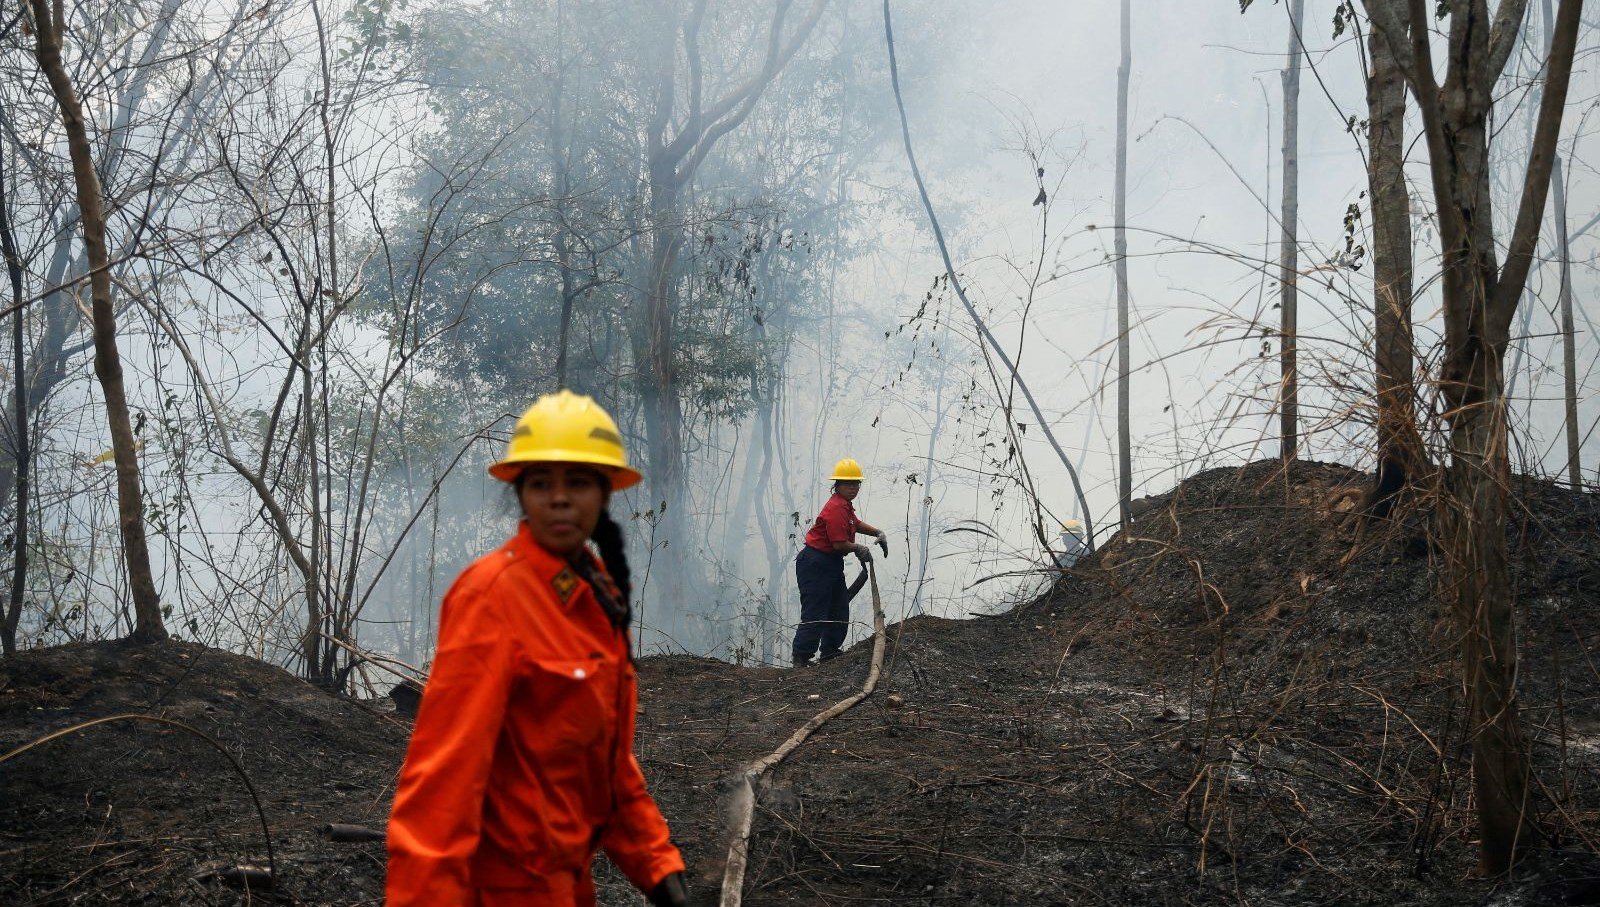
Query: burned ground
{"points": [[1241, 700], [142, 813]]}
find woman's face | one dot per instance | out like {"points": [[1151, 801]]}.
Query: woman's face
{"points": [[847, 490], [562, 504]]}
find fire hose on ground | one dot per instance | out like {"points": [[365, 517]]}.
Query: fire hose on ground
{"points": [[743, 801]]}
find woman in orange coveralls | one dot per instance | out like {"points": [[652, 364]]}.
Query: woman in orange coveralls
{"points": [[521, 763]]}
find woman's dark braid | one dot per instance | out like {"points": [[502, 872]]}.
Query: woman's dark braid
{"points": [[614, 552]]}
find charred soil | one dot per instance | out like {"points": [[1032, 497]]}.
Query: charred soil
{"points": [[1244, 699]]}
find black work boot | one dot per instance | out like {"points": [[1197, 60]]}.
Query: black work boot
{"points": [[801, 661]]}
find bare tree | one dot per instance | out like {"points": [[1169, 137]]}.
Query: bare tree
{"points": [[676, 146], [1400, 451], [1120, 243], [20, 428], [1569, 328], [988, 343], [48, 26], [151, 84], [569, 241], [130, 81], [1480, 300], [1289, 242], [1569, 331]]}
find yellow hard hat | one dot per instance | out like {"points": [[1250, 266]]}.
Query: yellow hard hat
{"points": [[846, 470], [1072, 526], [566, 428]]}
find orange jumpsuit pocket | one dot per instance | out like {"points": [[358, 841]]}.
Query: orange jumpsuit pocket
{"points": [[576, 703]]}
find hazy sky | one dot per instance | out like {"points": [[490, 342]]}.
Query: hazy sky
{"points": [[986, 84], [1205, 119]]}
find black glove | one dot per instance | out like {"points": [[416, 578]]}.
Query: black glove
{"points": [[671, 892], [883, 542]]}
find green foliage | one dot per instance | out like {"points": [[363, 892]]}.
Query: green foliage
{"points": [[376, 23], [537, 147]]}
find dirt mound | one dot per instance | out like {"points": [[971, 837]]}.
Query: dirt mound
{"points": [[137, 812], [1241, 700]]}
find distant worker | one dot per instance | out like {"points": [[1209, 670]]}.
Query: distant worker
{"points": [[521, 763], [1072, 544], [819, 569]]}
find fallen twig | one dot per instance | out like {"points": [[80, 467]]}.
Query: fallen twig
{"points": [[744, 795]]}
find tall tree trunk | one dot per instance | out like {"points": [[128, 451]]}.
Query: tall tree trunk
{"points": [[665, 401], [1569, 331], [1569, 328], [21, 455], [148, 625], [563, 189], [1476, 507], [1480, 301], [767, 615], [1289, 243], [1120, 247], [324, 612], [52, 354], [569, 296], [663, 404], [408, 644], [1474, 524], [671, 162], [316, 618], [1400, 449], [736, 526]]}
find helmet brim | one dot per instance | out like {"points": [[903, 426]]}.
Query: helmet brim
{"points": [[622, 477]]}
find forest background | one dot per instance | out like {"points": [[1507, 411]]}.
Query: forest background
{"points": [[348, 242]]}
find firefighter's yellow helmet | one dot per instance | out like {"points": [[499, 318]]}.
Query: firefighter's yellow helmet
{"points": [[564, 427], [846, 470]]}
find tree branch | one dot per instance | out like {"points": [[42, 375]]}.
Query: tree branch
{"points": [[1541, 160], [704, 130], [777, 59], [269, 501], [1503, 39], [950, 271], [1393, 23], [1426, 91], [691, 51]]}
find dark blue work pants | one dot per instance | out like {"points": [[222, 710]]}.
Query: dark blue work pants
{"points": [[824, 603]]}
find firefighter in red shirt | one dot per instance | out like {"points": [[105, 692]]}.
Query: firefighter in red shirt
{"points": [[521, 763], [819, 568]]}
